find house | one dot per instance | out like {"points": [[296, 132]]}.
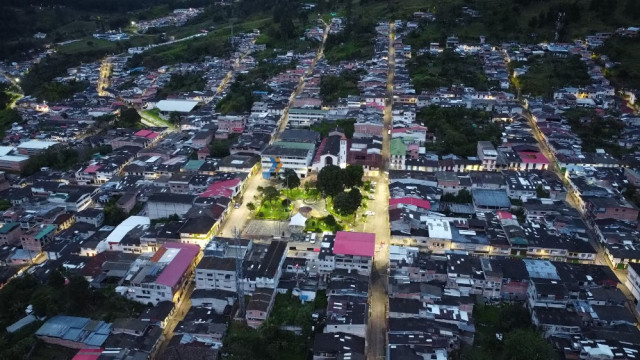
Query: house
{"points": [[215, 299], [10, 233], [490, 199], [259, 306], [301, 117], [633, 280], [74, 332], [91, 216], [164, 204], [350, 251], [335, 346], [599, 208], [332, 151], [158, 314], [37, 236], [162, 276]]}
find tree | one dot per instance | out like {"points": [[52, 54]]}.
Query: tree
{"points": [[330, 181], [347, 203], [270, 193], [527, 344], [251, 206], [78, 293], [113, 214], [55, 280], [4, 204], [353, 175], [541, 192], [174, 118], [290, 178], [464, 197], [129, 117]]}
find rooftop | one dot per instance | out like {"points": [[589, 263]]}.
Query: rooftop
{"points": [[354, 243]]}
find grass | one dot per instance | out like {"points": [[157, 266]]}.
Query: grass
{"points": [[153, 116], [273, 211], [301, 194]]}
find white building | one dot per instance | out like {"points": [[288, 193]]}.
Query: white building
{"points": [[286, 155], [305, 117], [351, 251], [163, 276]]}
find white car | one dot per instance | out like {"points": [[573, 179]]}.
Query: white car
{"points": [[370, 213]]}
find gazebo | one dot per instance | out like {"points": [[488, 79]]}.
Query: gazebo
{"points": [[297, 223]]}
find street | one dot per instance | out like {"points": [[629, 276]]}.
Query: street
{"points": [[379, 223], [181, 309], [573, 201], [238, 218]]}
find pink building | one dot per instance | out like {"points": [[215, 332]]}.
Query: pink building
{"points": [[260, 306]]}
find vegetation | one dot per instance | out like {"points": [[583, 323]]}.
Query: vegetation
{"points": [[128, 118], [334, 87], [523, 20], [8, 115], [327, 223], [519, 339], [242, 93], [458, 130], [290, 179], [462, 197], [62, 159], [273, 206], [430, 71], [346, 126], [56, 91], [286, 29], [596, 131], [625, 52], [354, 42], [332, 182], [550, 73], [219, 148], [183, 82], [214, 44], [347, 202], [74, 298], [113, 214]]}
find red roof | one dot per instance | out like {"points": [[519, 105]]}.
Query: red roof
{"points": [[532, 157], [179, 265], [143, 132], [354, 243], [221, 188], [421, 203], [88, 354], [503, 214], [92, 168]]}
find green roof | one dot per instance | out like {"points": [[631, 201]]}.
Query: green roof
{"points": [[295, 145], [398, 148], [8, 227], [46, 230], [193, 164]]}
